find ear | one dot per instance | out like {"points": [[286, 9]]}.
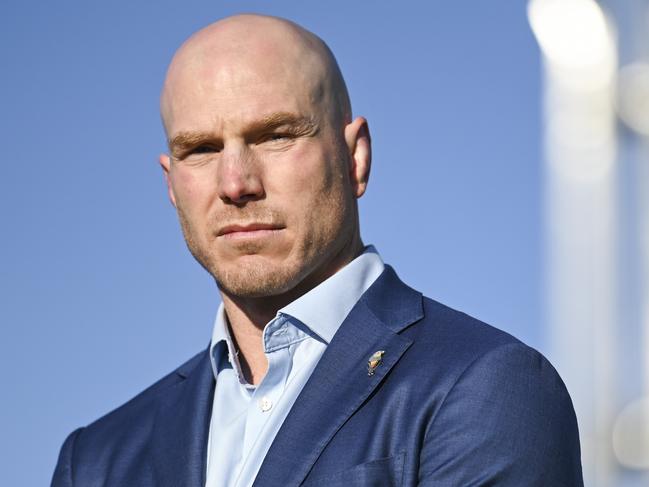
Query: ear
{"points": [[357, 137], [165, 163]]}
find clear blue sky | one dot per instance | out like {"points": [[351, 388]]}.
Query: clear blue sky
{"points": [[99, 295]]}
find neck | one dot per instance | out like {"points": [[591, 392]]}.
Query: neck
{"points": [[247, 316]]}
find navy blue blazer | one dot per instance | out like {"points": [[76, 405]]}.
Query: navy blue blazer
{"points": [[453, 403]]}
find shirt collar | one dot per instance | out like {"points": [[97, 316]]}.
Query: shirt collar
{"points": [[222, 351], [322, 310]]}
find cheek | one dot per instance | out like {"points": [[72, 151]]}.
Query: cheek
{"points": [[309, 172], [191, 189], [315, 199]]}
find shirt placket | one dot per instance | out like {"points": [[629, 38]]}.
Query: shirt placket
{"points": [[269, 391]]}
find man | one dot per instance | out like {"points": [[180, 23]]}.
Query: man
{"points": [[324, 368]]}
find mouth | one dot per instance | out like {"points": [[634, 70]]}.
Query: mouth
{"points": [[252, 230]]}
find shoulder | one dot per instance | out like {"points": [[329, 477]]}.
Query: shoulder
{"points": [[447, 345], [482, 362], [137, 412], [451, 342], [474, 351], [457, 364], [491, 399], [115, 438], [142, 400], [437, 332]]}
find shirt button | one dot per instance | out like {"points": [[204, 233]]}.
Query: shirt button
{"points": [[265, 404]]}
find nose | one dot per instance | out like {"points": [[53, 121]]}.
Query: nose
{"points": [[239, 178]]}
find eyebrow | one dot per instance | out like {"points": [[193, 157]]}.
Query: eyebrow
{"points": [[296, 124], [279, 119], [186, 140]]}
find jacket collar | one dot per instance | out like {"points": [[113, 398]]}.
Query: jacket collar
{"points": [[182, 420], [340, 382]]}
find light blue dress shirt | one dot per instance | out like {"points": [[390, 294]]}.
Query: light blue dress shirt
{"points": [[246, 418]]}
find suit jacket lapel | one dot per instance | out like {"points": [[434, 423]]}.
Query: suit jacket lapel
{"points": [[340, 382], [179, 446]]}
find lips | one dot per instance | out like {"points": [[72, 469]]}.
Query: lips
{"points": [[249, 230]]}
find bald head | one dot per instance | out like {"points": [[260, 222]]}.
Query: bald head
{"points": [[265, 162], [254, 49]]}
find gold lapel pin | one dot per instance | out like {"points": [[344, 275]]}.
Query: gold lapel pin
{"points": [[374, 361]]}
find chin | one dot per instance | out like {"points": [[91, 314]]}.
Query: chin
{"points": [[257, 280]]}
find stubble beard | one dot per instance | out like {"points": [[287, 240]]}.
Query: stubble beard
{"points": [[248, 279]]}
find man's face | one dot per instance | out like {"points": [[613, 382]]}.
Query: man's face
{"points": [[260, 175]]}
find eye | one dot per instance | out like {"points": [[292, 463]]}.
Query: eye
{"points": [[204, 149], [199, 154], [275, 137]]}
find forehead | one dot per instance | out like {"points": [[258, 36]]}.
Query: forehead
{"points": [[224, 92]]}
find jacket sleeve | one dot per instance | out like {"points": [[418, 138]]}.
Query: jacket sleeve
{"points": [[507, 421], [63, 473]]}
